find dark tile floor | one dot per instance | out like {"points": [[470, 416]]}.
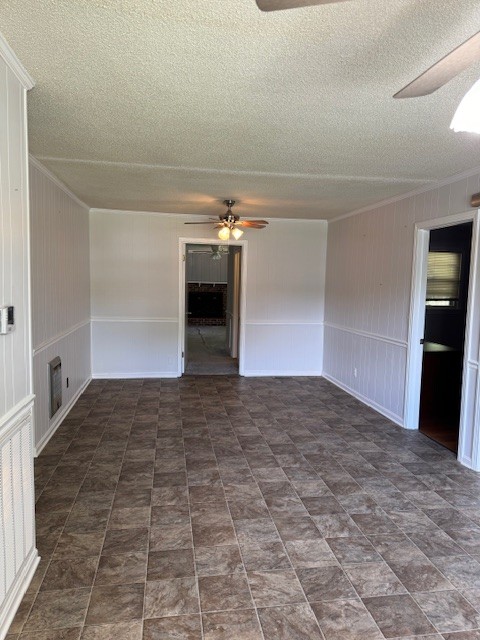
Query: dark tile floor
{"points": [[241, 509]]}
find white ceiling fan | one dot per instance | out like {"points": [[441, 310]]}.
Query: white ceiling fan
{"points": [[430, 80]]}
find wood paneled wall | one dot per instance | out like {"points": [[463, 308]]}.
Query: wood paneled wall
{"points": [[60, 293]]}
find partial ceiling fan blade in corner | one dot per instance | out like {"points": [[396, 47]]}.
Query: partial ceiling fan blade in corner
{"points": [[278, 5], [252, 223], [444, 70]]}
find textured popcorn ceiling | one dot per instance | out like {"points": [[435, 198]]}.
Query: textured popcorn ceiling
{"points": [[170, 105]]}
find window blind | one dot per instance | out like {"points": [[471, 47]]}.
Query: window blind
{"points": [[443, 277]]}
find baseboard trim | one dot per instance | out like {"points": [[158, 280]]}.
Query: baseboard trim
{"points": [[275, 373], [10, 605], [370, 403], [60, 418], [135, 375]]}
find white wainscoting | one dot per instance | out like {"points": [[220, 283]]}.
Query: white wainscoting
{"points": [[277, 349], [468, 445], [379, 363], [73, 347], [135, 347], [18, 555]]}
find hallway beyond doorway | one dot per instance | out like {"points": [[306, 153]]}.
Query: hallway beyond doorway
{"points": [[207, 352]]}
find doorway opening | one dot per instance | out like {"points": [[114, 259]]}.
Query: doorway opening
{"points": [[446, 298], [212, 309]]}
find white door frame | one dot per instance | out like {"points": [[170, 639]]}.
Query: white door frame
{"points": [[469, 433], [182, 245]]}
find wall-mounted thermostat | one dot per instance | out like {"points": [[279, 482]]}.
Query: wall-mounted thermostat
{"points": [[7, 320]]}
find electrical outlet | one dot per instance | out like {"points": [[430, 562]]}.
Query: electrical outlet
{"points": [[68, 383], [355, 372]]}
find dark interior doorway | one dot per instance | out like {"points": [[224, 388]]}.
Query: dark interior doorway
{"points": [[211, 305], [444, 334]]}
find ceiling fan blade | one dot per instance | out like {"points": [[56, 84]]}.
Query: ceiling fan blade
{"points": [[254, 226], [252, 223], [444, 70], [277, 5], [198, 222]]}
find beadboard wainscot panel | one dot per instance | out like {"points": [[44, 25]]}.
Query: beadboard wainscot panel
{"points": [[60, 294], [136, 283], [18, 555], [74, 349], [368, 290]]}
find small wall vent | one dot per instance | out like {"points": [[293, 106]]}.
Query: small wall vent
{"points": [[55, 376]]}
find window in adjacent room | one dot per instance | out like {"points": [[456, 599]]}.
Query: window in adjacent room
{"points": [[443, 279]]}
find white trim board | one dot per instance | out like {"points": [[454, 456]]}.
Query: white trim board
{"points": [[10, 605], [275, 373], [57, 421], [135, 375], [469, 427], [60, 336], [398, 420], [14, 64], [53, 178], [367, 334], [15, 414], [131, 319], [182, 286]]}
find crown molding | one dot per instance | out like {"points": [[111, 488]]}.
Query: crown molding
{"points": [[468, 173], [14, 64], [53, 178]]}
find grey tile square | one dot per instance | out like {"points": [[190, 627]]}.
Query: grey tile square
{"points": [[398, 616], [354, 549], [118, 603], [374, 579], [227, 625], [123, 630], [118, 541], [73, 573], [275, 588], [171, 536], [184, 627], [325, 583], [256, 531], [128, 568], [171, 598], [292, 622], [219, 593], [346, 620], [310, 553], [448, 611], [265, 556], [173, 563], [58, 609], [220, 560]]}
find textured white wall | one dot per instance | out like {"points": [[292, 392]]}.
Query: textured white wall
{"points": [[18, 556], [60, 294], [369, 271], [135, 294]]}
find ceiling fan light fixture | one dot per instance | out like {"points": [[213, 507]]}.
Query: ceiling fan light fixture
{"points": [[224, 233], [237, 233], [467, 115]]}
